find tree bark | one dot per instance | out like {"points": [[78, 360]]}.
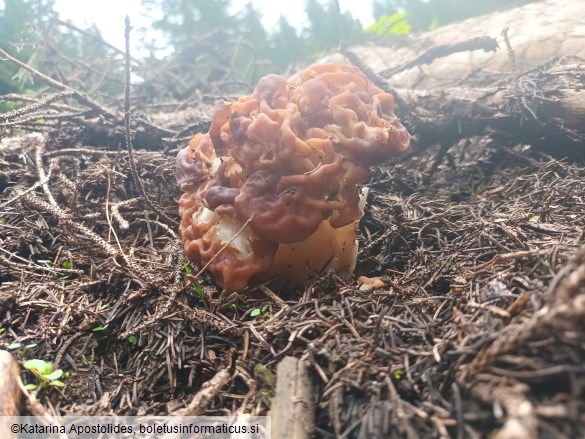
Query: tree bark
{"points": [[544, 107]]}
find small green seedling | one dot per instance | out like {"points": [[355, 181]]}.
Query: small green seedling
{"points": [[398, 375], [197, 288], [100, 328], [186, 267], [259, 311], [133, 340], [43, 371], [199, 291], [16, 345], [67, 265]]}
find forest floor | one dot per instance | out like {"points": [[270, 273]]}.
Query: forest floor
{"points": [[476, 326]]}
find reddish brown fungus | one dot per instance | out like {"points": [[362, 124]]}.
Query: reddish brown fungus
{"points": [[288, 160]]}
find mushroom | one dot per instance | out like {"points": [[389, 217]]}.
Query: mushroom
{"points": [[272, 189]]}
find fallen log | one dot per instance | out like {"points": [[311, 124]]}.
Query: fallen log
{"points": [[293, 406], [544, 107]]}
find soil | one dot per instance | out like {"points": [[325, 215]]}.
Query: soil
{"points": [[475, 313]]}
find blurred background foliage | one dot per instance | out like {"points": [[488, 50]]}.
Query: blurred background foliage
{"points": [[424, 15], [204, 38]]}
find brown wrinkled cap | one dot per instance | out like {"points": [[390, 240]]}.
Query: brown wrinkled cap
{"points": [[286, 158]]}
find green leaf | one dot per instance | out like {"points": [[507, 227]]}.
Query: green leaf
{"points": [[48, 368], [38, 365], [57, 383], [255, 312], [68, 265], [2, 330], [55, 375], [40, 121], [31, 386], [133, 340], [13, 346], [30, 346], [186, 267]]}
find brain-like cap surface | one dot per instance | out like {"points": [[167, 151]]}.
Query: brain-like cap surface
{"points": [[280, 162]]}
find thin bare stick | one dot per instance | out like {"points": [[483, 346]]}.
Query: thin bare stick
{"points": [[95, 36], [487, 44], [511, 53], [270, 294], [339, 24], [135, 175]]}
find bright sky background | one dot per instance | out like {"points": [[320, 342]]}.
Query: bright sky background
{"points": [[109, 15]]}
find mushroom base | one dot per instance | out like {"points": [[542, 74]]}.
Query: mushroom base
{"points": [[327, 249]]}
